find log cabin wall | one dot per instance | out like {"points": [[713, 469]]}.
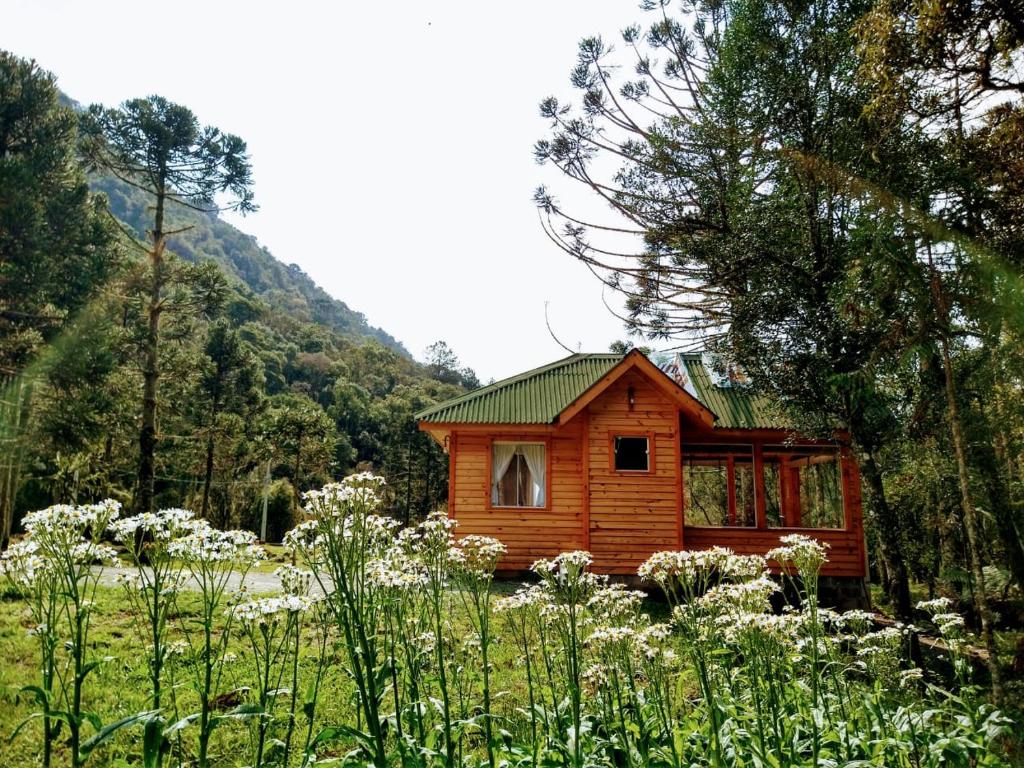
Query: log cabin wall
{"points": [[529, 533], [633, 514]]}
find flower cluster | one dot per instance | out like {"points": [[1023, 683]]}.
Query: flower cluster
{"points": [[524, 598], [880, 653], [689, 573], [83, 520], [615, 604], [478, 556], [802, 553], [397, 571], [335, 499], [204, 544], [91, 553], [295, 581], [264, 611], [22, 564], [162, 526]]}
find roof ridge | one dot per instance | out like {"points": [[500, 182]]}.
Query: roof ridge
{"points": [[487, 388]]}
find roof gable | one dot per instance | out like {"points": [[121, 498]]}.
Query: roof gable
{"points": [[638, 361], [556, 392]]}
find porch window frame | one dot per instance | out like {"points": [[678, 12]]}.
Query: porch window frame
{"points": [[843, 460], [748, 452], [513, 439]]}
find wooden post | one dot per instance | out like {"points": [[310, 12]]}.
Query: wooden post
{"points": [[792, 513], [760, 506], [266, 499], [730, 488]]}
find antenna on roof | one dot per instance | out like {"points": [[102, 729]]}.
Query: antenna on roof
{"points": [[558, 341]]}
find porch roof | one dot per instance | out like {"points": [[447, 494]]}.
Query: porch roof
{"points": [[735, 405]]}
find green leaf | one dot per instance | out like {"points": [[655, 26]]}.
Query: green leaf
{"points": [[335, 732], [154, 743], [41, 695], [105, 733], [89, 668], [182, 724], [241, 712], [94, 720], [22, 724]]}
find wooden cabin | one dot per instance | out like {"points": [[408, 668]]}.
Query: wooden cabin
{"points": [[612, 454]]}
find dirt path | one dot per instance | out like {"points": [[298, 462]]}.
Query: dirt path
{"points": [[256, 582]]}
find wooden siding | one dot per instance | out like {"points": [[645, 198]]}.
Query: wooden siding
{"points": [[845, 554], [632, 514], [528, 533]]}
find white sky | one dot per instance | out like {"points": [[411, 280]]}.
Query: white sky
{"points": [[391, 144]]}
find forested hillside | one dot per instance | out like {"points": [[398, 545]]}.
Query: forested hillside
{"points": [[267, 385], [285, 287]]}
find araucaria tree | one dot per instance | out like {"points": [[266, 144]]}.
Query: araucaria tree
{"points": [[159, 147]]}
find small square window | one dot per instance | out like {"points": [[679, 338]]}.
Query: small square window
{"points": [[632, 454]]}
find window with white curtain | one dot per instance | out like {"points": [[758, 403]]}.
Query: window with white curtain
{"points": [[518, 475]]}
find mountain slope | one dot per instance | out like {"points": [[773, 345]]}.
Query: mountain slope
{"points": [[283, 286]]}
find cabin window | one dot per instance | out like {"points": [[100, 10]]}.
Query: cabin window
{"points": [[807, 482], [518, 475], [632, 454], [718, 485]]}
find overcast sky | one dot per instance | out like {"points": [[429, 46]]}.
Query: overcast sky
{"points": [[391, 144]]}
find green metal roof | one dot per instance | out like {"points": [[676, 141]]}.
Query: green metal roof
{"points": [[735, 405], [534, 397], [538, 396]]}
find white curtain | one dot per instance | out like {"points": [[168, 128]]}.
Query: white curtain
{"points": [[503, 453], [534, 455]]}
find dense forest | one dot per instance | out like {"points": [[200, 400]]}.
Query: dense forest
{"points": [[267, 385]]}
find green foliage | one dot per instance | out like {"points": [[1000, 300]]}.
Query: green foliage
{"points": [[56, 245], [384, 653]]}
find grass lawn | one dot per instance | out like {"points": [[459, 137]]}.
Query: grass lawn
{"points": [[120, 686]]}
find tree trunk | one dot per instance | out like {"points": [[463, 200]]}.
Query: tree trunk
{"points": [[146, 485], [11, 450], [987, 463], [887, 528], [972, 529]]}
